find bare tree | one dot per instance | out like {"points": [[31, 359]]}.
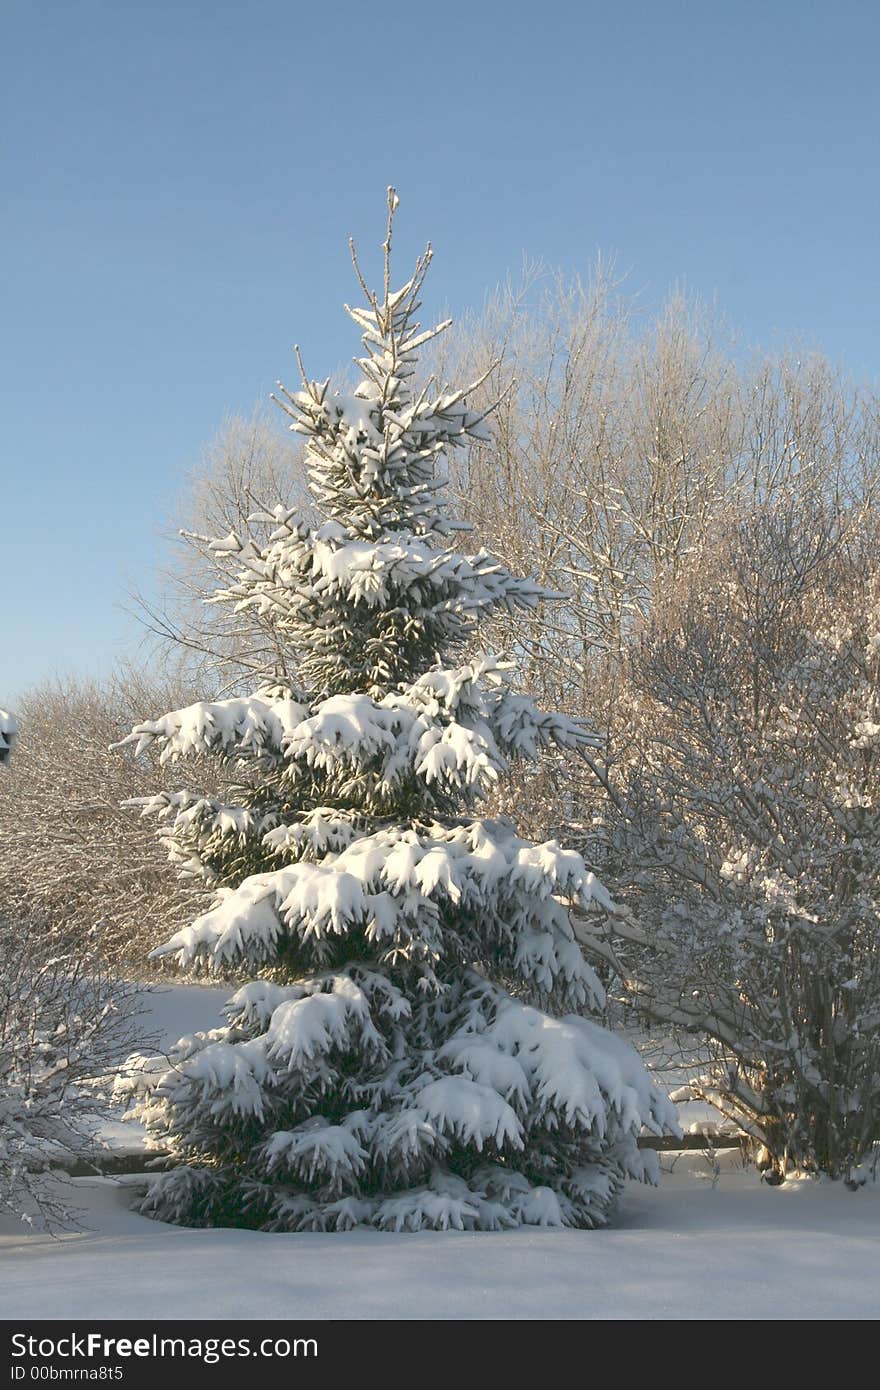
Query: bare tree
{"points": [[742, 829], [621, 444], [611, 448], [65, 1026], [71, 853], [251, 467]]}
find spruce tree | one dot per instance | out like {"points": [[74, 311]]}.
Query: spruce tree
{"points": [[392, 1061]]}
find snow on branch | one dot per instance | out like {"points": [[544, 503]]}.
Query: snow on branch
{"points": [[392, 886], [256, 724]]}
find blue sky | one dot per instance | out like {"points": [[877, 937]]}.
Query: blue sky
{"points": [[179, 181]]}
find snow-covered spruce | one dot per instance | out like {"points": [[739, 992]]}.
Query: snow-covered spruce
{"points": [[394, 1064]]}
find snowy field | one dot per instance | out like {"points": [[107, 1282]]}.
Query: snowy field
{"points": [[686, 1250], [702, 1245]]}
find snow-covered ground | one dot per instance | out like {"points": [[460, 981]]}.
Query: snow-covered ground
{"points": [[703, 1245], [165, 1014], [739, 1249], [170, 1011]]}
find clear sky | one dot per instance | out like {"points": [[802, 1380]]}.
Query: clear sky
{"points": [[179, 181]]}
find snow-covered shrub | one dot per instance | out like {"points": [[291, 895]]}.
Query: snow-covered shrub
{"points": [[71, 854], [394, 1062], [745, 818], [65, 1026]]}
